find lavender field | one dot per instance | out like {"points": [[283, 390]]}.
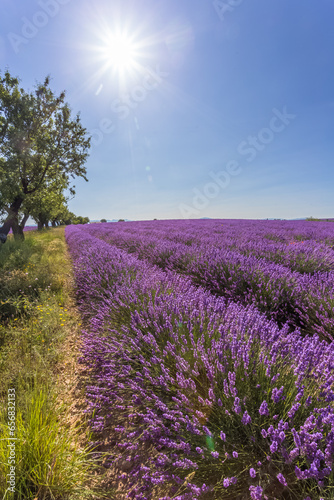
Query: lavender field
{"points": [[210, 349]]}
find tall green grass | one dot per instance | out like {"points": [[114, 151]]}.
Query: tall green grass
{"points": [[52, 458], [49, 465]]}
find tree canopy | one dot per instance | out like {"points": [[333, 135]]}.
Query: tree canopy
{"points": [[40, 144]]}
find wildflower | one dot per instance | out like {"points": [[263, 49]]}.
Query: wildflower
{"points": [[215, 454], [235, 454]]}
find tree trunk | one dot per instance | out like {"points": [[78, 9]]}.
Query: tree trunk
{"points": [[12, 221], [24, 220], [4, 230], [17, 230], [39, 225], [54, 223]]}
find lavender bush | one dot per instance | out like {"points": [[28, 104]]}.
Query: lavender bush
{"points": [[213, 399], [303, 299]]}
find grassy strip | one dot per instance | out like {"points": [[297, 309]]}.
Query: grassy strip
{"points": [[39, 339]]}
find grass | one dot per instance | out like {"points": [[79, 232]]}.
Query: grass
{"points": [[39, 338]]}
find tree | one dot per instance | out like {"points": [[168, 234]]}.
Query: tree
{"points": [[57, 215], [70, 218], [39, 144], [78, 219], [103, 220], [46, 205]]}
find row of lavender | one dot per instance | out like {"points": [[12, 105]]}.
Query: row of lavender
{"points": [[304, 300], [303, 247], [215, 400]]}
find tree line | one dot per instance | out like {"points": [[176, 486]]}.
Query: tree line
{"points": [[42, 149]]}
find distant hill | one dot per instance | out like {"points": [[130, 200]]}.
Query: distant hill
{"points": [[111, 220], [299, 218]]}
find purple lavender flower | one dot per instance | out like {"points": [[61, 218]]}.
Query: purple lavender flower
{"points": [[252, 472], [274, 447], [293, 410], [256, 492], [308, 401], [277, 394], [226, 482], [263, 410], [237, 407], [282, 479], [294, 453], [222, 436], [246, 419]]}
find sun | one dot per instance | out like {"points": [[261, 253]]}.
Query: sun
{"points": [[121, 52]]}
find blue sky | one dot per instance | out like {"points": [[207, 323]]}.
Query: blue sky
{"points": [[227, 112]]}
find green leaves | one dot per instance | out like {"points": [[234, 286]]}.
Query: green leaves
{"points": [[40, 144]]}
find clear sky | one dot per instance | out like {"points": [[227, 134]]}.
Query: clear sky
{"points": [[196, 108]]}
